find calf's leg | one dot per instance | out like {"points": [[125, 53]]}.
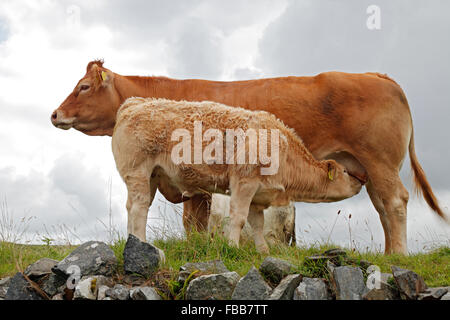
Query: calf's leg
{"points": [[140, 197], [256, 221], [241, 197]]}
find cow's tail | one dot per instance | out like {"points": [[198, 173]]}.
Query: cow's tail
{"points": [[421, 183]]}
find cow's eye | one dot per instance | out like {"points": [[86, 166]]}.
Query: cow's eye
{"points": [[84, 87]]}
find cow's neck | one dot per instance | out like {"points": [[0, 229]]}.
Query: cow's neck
{"points": [[157, 87]]}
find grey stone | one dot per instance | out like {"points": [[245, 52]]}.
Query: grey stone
{"points": [[446, 296], [217, 286], [380, 289], [348, 283], [275, 269], [93, 258], [40, 268], [118, 292], [408, 282], [88, 286], [101, 293], [20, 289], [312, 289], [251, 287], [58, 296], [51, 284], [209, 267], [4, 283], [144, 293], [83, 290], [335, 252], [379, 294], [285, 290], [140, 257], [433, 293]]}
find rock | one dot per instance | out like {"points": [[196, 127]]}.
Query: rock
{"points": [[52, 284], [379, 294], [92, 258], [312, 289], [330, 266], [251, 287], [58, 296], [335, 252], [433, 293], [118, 292], [20, 289], [408, 282], [275, 269], [101, 293], [140, 257], [285, 290], [40, 268], [216, 286], [210, 267], [4, 283], [380, 289], [446, 296], [348, 283], [87, 288], [144, 293]]}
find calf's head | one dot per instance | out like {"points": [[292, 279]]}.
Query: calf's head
{"points": [[340, 184], [92, 105]]}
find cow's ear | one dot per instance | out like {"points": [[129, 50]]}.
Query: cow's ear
{"points": [[103, 77]]}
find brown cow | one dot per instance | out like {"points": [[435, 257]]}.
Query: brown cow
{"points": [[361, 120]]}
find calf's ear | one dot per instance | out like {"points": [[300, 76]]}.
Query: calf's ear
{"points": [[331, 170]]}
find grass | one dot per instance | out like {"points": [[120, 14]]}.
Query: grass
{"points": [[433, 266]]}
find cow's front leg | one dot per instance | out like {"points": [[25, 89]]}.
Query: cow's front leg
{"points": [[140, 197], [241, 197]]}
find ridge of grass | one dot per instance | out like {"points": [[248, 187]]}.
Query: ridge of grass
{"points": [[433, 266]]}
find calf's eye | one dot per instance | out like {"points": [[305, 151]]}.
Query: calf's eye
{"points": [[84, 87]]}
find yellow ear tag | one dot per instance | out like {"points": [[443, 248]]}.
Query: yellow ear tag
{"points": [[330, 175], [103, 75]]}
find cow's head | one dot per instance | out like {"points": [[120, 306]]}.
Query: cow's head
{"points": [[92, 105]]}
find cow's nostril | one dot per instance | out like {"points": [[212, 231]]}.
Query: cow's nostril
{"points": [[54, 115]]}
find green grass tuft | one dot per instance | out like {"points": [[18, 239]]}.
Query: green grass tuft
{"points": [[433, 266]]}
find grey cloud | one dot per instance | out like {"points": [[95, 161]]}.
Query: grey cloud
{"points": [[4, 33], [71, 197], [196, 52], [313, 37]]}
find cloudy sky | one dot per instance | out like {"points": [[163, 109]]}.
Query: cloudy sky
{"points": [[64, 185]]}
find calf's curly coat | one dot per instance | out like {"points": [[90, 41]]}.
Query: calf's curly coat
{"points": [[142, 145]]}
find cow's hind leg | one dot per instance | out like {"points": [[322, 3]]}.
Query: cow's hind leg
{"points": [[379, 206], [196, 213], [390, 198], [256, 221], [140, 197]]}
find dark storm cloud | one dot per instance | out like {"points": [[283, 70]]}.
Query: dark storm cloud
{"points": [[317, 36]]}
